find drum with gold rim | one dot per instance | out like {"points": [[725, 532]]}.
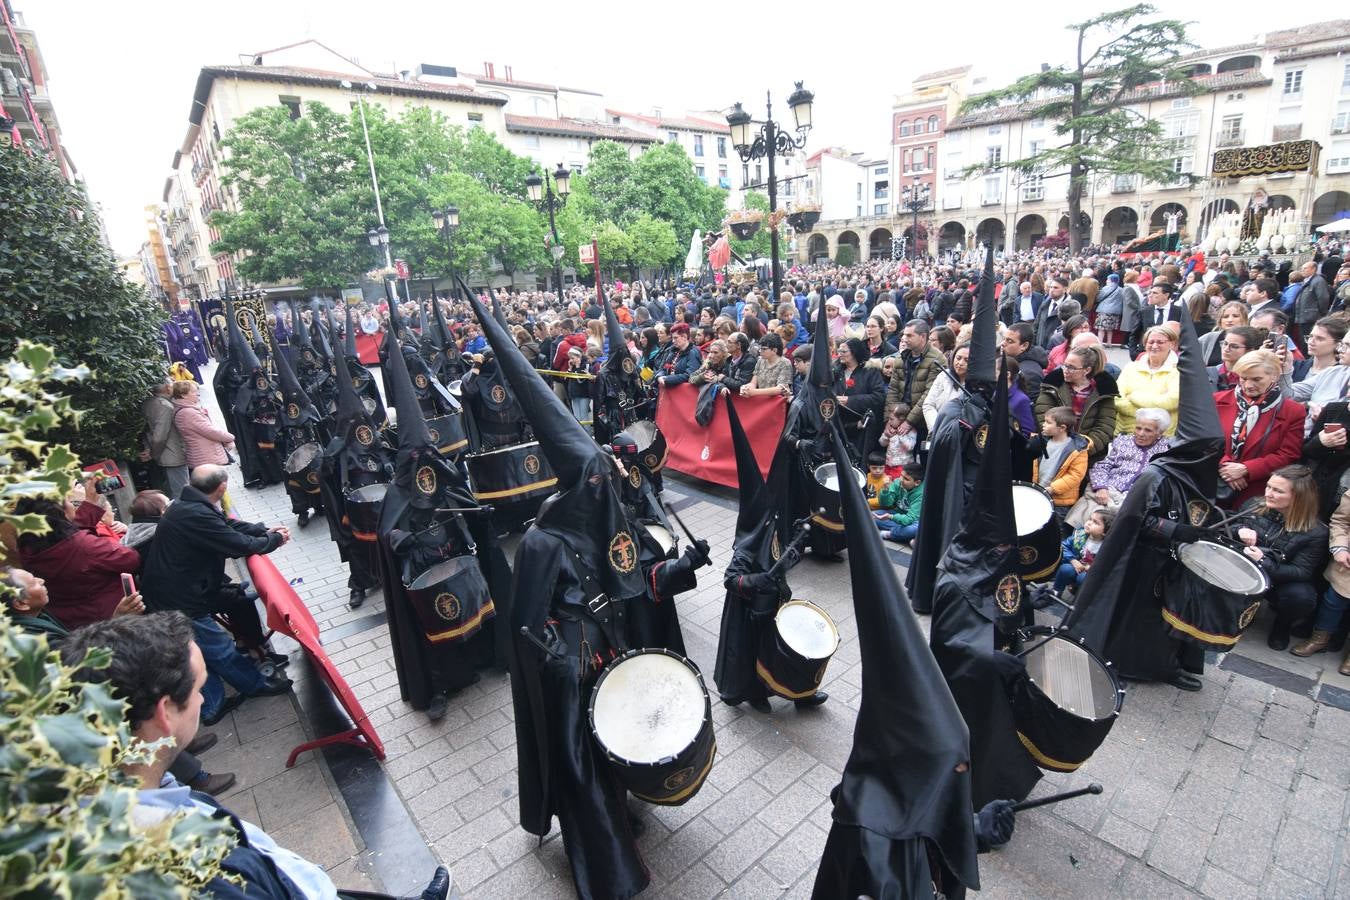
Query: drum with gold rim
{"points": [[651, 715], [651, 444], [302, 467], [451, 599], [795, 652], [1066, 705], [1213, 596], [1039, 544]]}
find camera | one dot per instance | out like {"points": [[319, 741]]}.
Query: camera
{"points": [[108, 484]]}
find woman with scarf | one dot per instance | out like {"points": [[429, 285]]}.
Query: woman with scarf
{"points": [[860, 391], [1263, 429], [1281, 533]]}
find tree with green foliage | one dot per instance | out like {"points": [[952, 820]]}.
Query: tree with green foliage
{"points": [[62, 287], [653, 243], [1090, 104], [65, 805], [845, 255]]}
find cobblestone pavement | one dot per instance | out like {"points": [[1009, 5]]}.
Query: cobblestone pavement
{"points": [[1236, 791]]}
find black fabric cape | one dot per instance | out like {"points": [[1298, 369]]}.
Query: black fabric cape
{"points": [[902, 817], [977, 606]]}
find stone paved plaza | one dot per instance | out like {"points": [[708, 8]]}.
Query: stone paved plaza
{"points": [[1236, 791]]}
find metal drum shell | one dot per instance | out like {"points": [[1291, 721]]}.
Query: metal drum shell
{"points": [[651, 444], [826, 504], [363, 511], [448, 434], [675, 779], [782, 669], [1056, 738], [1040, 551], [302, 467], [504, 475], [1201, 603]]}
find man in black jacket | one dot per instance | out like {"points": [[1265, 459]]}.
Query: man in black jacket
{"points": [[185, 571]]}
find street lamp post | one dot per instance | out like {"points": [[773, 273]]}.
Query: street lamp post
{"points": [[374, 181], [771, 141], [447, 223], [917, 196], [550, 194], [379, 238]]}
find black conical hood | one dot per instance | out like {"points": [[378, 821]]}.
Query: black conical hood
{"points": [[752, 496], [422, 329], [900, 780], [1197, 416], [762, 515], [820, 374], [989, 518], [562, 438], [297, 409], [618, 347], [413, 433], [980, 366], [446, 338], [396, 325], [322, 329], [430, 333], [348, 332], [260, 344], [349, 406], [241, 351], [300, 338]]}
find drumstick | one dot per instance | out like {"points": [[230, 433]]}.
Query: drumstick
{"points": [[1093, 788], [693, 542], [529, 636], [1222, 522]]}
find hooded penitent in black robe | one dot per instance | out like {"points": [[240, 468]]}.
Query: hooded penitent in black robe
{"points": [[806, 434], [954, 450], [301, 424], [902, 821], [1119, 611], [579, 548], [431, 654], [753, 595], [977, 609], [494, 417], [236, 384], [357, 456], [361, 380], [618, 390]]}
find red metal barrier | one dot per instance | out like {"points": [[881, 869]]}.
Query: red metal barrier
{"points": [[707, 453], [287, 613]]}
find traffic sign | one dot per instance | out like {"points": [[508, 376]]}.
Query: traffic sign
{"points": [[401, 268], [586, 254]]}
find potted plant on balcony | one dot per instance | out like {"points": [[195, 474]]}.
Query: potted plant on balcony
{"points": [[804, 217], [744, 223]]}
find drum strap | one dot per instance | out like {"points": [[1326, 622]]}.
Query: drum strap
{"points": [[609, 615]]}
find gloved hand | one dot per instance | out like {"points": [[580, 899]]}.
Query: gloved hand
{"points": [[700, 553], [1041, 597], [1007, 666], [791, 557], [759, 581], [1186, 533], [1036, 445], [994, 825]]}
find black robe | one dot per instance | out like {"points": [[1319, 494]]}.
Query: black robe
{"points": [[227, 385], [954, 450]]}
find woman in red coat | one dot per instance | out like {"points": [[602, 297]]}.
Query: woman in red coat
{"points": [[82, 570], [1262, 429]]}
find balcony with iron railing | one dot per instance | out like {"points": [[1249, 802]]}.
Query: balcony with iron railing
{"points": [[1033, 193], [1230, 138], [1286, 132]]}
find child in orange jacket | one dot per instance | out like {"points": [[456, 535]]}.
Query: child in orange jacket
{"points": [[1063, 462]]}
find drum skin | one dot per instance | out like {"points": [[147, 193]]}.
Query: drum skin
{"points": [[675, 779], [1199, 612], [510, 475], [1040, 551], [1058, 740], [825, 502], [783, 670], [452, 600], [302, 467], [652, 449]]}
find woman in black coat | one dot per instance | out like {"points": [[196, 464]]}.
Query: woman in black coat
{"points": [[1328, 450], [1282, 534], [859, 390]]}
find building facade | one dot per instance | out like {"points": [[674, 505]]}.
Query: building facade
{"points": [[26, 109]]}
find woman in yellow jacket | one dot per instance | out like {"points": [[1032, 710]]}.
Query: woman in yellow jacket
{"points": [[1152, 381]]}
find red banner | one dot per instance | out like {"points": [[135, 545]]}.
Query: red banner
{"points": [[368, 347], [287, 613], [707, 453]]}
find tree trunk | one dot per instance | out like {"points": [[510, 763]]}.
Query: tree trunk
{"points": [[1077, 178]]}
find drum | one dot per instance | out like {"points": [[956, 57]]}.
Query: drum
{"points": [[513, 474], [826, 509], [663, 538], [651, 444], [363, 511], [451, 599], [1039, 544], [650, 714], [1214, 595], [1068, 702], [794, 654], [302, 467], [447, 433]]}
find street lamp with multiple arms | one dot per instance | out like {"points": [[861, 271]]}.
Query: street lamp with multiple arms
{"points": [[447, 223], [917, 196], [550, 194], [771, 141]]}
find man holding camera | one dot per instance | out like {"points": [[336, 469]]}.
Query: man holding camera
{"points": [[185, 571]]}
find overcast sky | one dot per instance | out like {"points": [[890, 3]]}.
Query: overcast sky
{"points": [[121, 75]]}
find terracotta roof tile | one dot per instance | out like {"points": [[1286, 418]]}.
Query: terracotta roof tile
{"points": [[578, 127]]}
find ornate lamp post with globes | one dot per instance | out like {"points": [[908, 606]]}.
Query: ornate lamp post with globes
{"points": [[917, 196], [771, 141], [550, 195]]}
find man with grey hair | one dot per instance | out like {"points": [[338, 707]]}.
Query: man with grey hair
{"points": [[185, 571]]}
